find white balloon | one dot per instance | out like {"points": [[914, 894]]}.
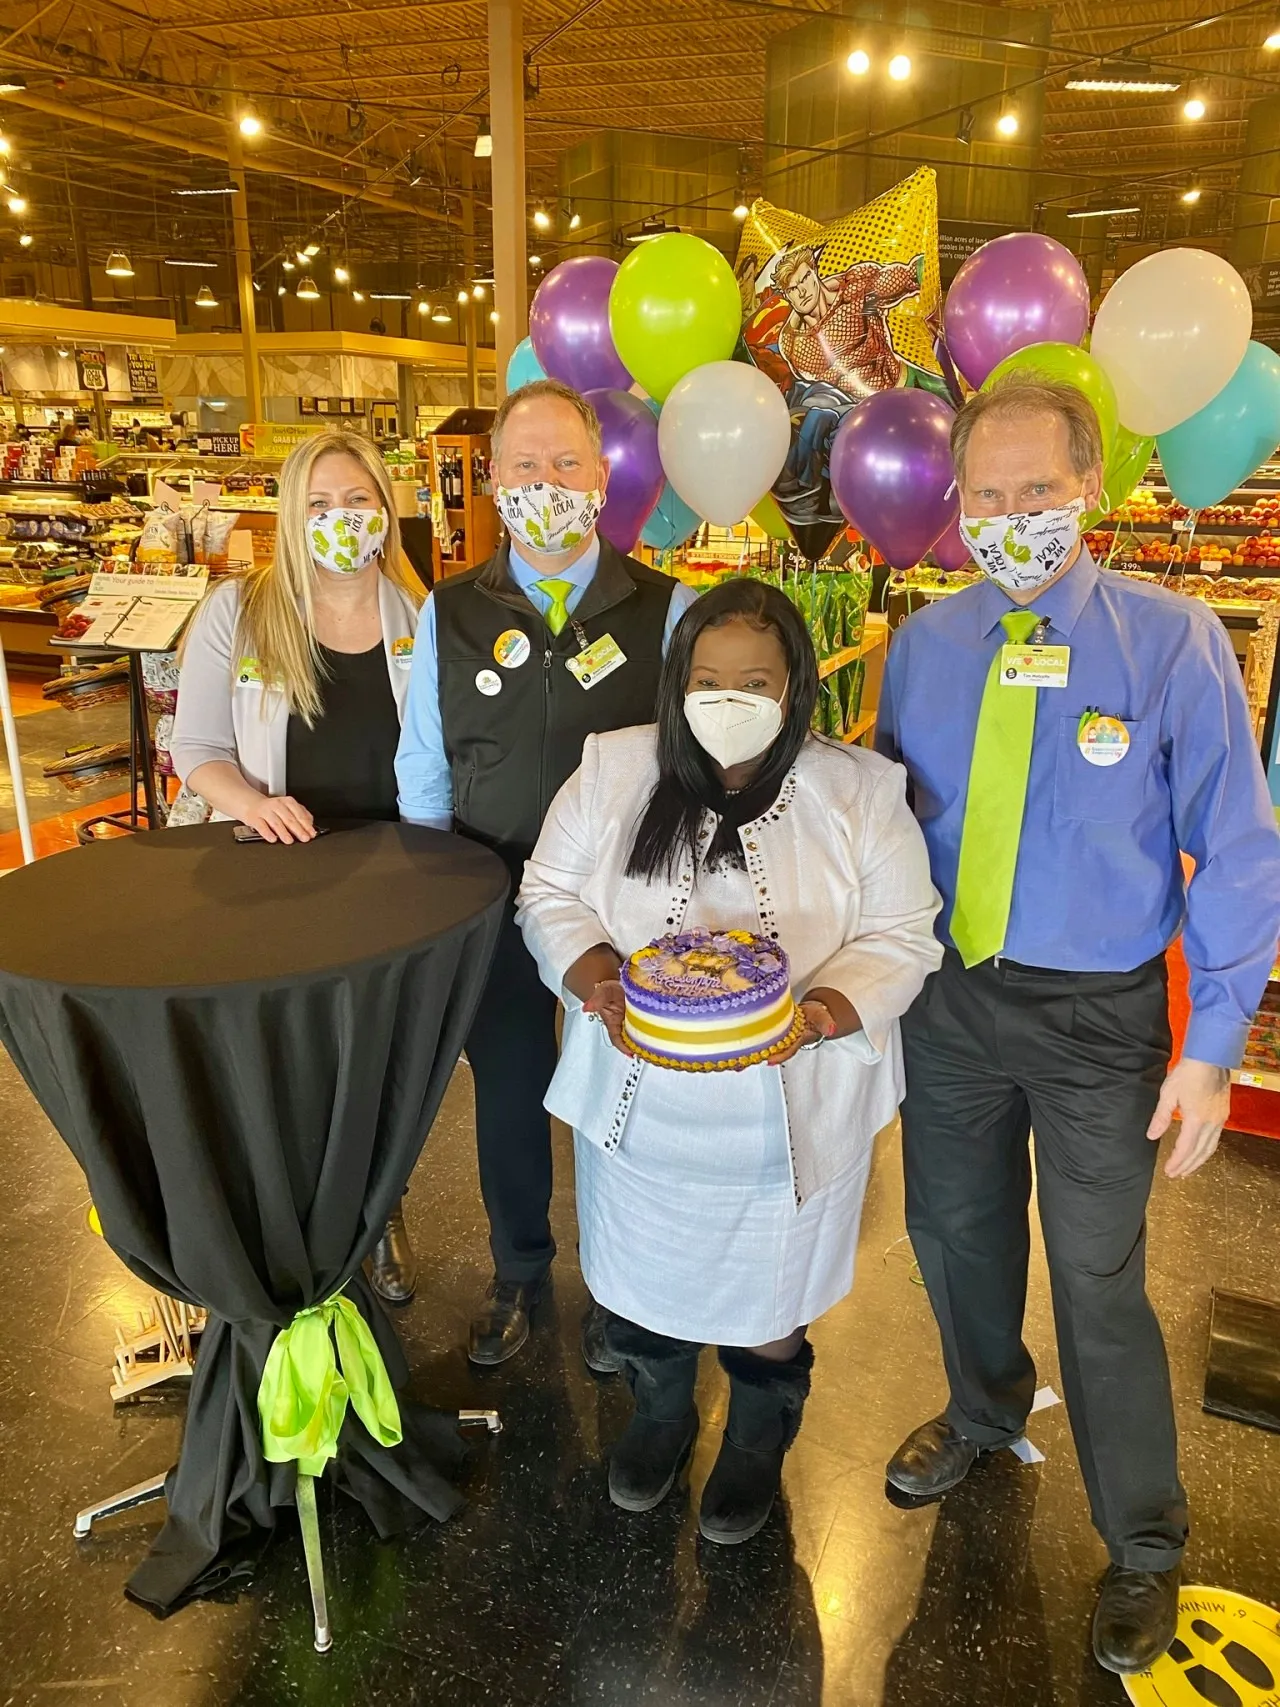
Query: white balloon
{"points": [[723, 437], [1170, 333]]}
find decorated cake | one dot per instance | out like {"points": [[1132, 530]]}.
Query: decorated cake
{"points": [[709, 1001]]}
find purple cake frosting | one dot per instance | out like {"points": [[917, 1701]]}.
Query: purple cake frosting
{"points": [[708, 1000]]}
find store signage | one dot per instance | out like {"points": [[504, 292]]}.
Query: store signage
{"points": [[142, 374], [1263, 282], [275, 438], [960, 238], [93, 369], [218, 444], [329, 406]]}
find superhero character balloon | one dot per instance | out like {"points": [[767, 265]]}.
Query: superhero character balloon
{"points": [[834, 314]]}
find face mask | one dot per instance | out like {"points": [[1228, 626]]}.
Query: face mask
{"points": [[546, 517], [733, 727], [347, 541], [1021, 553]]}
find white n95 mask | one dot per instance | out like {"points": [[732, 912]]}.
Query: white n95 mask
{"points": [[733, 727], [347, 541], [1023, 552]]}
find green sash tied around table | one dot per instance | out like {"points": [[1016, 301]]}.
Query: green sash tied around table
{"points": [[302, 1398]]}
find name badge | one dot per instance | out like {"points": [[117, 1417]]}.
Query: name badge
{"points": [[596, 661], [1035, 666], [249, 673]]}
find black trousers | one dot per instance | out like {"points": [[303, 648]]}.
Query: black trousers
{"points": [[992, 1054], [512, 1051]]}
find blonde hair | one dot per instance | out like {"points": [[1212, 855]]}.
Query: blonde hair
{"points": [[277, 623], [1028, 393], [792, 263]]}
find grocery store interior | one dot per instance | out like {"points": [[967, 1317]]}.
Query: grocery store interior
{"points": [[225, 227]]}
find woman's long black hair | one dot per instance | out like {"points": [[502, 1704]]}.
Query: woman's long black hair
{"points": [[688, 782]]}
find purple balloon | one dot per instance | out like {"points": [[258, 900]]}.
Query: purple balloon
{"points": [[1022, 289], [629, 438], [891, 473], [950, 551], [569, 325]]}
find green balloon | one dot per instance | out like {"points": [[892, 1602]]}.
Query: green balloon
{"points": [[1125, 467], [768, 516], [1071, 365], [674, 306]]}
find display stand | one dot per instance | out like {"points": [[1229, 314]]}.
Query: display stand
{"points": [[459, 478], [141, 754], [15, 763]]}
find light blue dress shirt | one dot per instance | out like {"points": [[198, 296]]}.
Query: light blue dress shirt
{"points": [[422, 765], [1099, 884]]}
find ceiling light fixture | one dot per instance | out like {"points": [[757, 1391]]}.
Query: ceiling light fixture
{"points": [[1272, 42], [17, 204], [442, 317], [391, 296], [205, 297], [575, 220], [341, 275], [650, 228], [288, 267], [64, 353], [26, 240], [311, 250], [307, 291], [1194, 109], [859, 62], [1191, 196], [1007, 124], [424, 308], [484, 141], [1124, 77], [900, 67], [181, 261], [1102, 212], [741, 211], [250, 124], [477, 291], [535, 260], [5, 147], [964, 127], [464, 296], [493, 317], [11, 83], [357, 296], [222, 190], [542, 219], [303, 255], [281, 290], [118, 265]]}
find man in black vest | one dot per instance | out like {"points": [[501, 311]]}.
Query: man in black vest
{"points": [[557, 637]]}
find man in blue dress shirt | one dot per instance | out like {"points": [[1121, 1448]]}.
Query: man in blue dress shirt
{"points": [[494, 725], [1069, 734]]}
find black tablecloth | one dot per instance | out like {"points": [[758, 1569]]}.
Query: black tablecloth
{"points": [[245, 1046]]}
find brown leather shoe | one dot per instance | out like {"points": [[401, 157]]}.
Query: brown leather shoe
{"points": [[393, 1270], [1137, 1618], [932, 1460]]}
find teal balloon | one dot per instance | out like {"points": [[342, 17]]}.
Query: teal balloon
{"points": [[1207, 456], [671, 522], [524, 367]]}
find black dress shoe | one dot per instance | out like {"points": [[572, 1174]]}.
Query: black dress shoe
{"points": [[595, 1348], [931, 1461], [500, 1330], [393, 1272], [1137, 1618]]}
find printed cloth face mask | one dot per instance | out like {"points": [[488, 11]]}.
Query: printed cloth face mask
{"points": [[546, 517], [1022, 552], [733, 727], [347, 541]]}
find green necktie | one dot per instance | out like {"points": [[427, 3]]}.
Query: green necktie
{"points": [[558, 592], [993, 809]]}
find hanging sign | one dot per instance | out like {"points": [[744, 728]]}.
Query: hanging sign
{"points": [[93, 369], [218, 444], [275, 438], [142, 373]]}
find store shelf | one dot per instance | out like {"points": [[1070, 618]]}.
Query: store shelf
{"points": [[47, 488], [1256, 1078], [877, 635], [862, 727]]}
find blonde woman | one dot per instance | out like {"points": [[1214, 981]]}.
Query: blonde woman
{"points": [[294, 680]]}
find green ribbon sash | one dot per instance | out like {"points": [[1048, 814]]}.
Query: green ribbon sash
{"points": [[302, 1398]]}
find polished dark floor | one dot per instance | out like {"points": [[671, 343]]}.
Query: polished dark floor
{"points": [[541, 1594]]}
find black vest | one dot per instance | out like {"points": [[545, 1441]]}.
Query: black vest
{"points": [[511, 751]]}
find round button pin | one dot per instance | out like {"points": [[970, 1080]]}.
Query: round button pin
{"points": [[489, 683], [1104, 741], [511, 649]]}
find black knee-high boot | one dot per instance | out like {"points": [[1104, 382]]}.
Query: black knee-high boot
{"points": [[766, 1403], [657, 1442]]}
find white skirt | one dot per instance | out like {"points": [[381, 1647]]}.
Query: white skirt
{"points": [[690, 1227]]}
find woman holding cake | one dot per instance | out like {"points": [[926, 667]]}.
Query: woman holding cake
{"points": [[294, 680], [688, 879]]}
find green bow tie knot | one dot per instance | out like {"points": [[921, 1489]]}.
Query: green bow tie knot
{"points": [[303, 1394]]}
